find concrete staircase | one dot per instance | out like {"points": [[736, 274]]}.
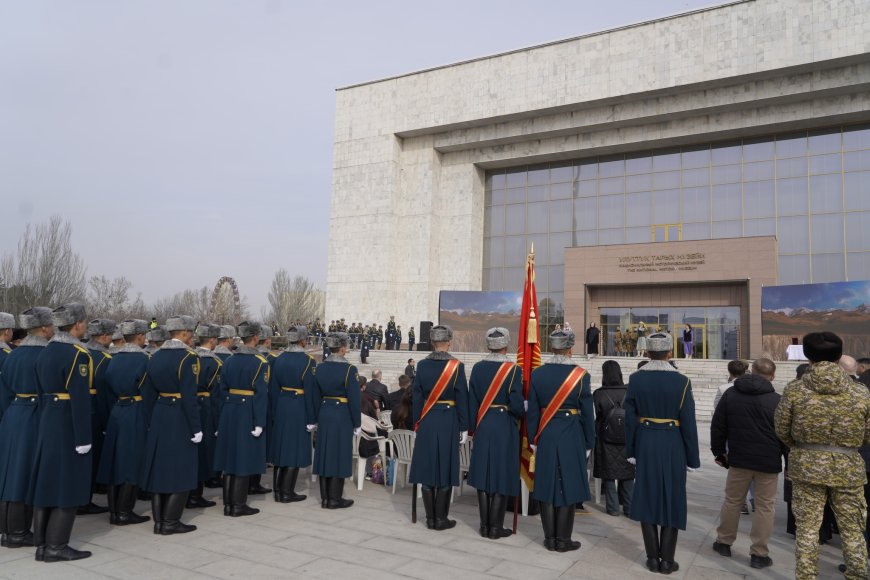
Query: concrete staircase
{"points": [[706, 375]]}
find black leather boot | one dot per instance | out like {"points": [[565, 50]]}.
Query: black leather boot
{"points": [[40, 524], [18, 520], [429, 505], [276, 482], [158, 507], [289, 490], [324, 490], [442, 509], [336, 490], [173, 508], [228, 494], [651, 544], [497, 509], [214, 482], [112, 498], [57, 536], [548, 522], [254, 486], [668, 545], [4, 508], [239, 496], [126, 503], [91, 509], [483, 500], [195, 499], [564, 528]]}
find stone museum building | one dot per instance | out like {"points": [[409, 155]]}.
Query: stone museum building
{"points": [[664, 171]]}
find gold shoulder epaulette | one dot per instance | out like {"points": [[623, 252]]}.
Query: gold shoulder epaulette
{"points": [[261, 358], [82, 350]]}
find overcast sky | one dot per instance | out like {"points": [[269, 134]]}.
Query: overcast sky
{"points": [[190, 139]]}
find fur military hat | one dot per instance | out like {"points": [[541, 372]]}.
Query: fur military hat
{"points": [[180, 322], [35, 317], [132, 327], [208, 331], [6, 321], [561, 340], [659, 342], [69, 314], [297, 334], [441, 333], [159, 334], [101, 326], [227, 331], [118, 335], [337, 340], [266, 332], [249, 328], [497, 338]]}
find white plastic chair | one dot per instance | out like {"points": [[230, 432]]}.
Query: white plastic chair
{"points": [[385, 420], [464, 463], [369, 432], [401, 443]]}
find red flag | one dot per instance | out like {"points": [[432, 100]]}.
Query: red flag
{"points": [[528, 355]]}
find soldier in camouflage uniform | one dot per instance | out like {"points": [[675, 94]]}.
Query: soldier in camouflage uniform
{"points": [[824, 418]]}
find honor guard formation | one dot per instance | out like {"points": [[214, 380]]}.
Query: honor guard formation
{"points": [[135, 410]]}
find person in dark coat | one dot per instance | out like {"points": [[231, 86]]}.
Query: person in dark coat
{"points": [[377, 390], [170, 461], [121, 461], [441, 423], [255, 487], [61, 476], [661, 438], [7, 331], [412, 338], [337, 419], [207, 395], [363, 349], [562, 443], [593, 336], [19, 426], [495, 406], [241, 447], [743, 440], [410, 371], [291, 392], [223, 350], [394, 399], [611, 465], [100, 333]]}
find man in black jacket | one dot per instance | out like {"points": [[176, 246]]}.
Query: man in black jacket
{"points": [[377, 390], [743, 440]]}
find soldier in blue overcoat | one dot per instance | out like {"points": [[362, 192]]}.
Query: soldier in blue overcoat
{"points": [[170, 461], [255, 487], [100, 333], [337, 417], [6, 320], [661, 438], [495, 461], [207, 395], [241, 446], [291, 392], [563, 444], [19, 426], [225, 342], [61, 477], [441, 424], [155, 338], [121, 461]]}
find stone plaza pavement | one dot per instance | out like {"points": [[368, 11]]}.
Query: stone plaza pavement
{"points": [[375, 538]]}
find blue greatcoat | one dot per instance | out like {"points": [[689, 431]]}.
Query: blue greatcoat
{"points": [[290, 445], [121, 461], [238, 452], [4, 353], [208, 394], [435, 461], [19, 426], [495, 460], [560, 459], [61, 477], [663, 450], [169, 463], [101, 400], [336, 420]]}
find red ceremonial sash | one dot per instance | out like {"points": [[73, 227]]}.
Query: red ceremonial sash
{"points": [[492, 391], [438, 389], [556, 402]]}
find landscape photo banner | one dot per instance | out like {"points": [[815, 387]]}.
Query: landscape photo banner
{"points": [[789, 312], [471, 313]]}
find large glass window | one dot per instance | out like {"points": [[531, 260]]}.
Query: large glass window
{"points": [[809, 188]]}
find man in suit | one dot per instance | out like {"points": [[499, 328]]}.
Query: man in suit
{"points": [[377, 390]]}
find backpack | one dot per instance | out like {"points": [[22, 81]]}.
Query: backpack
{"points": [[613, 430]]}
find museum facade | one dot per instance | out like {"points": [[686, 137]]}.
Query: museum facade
{"points": [[665, 172]]}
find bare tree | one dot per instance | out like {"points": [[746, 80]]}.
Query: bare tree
{"points": [[111, 299], [192, 302], [293, 299], [44, 271]]}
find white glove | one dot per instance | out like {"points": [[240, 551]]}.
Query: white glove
{"points": [[215, 433], [356, 432], [463, 437], [534, 448], [83, 449], [632, 460], [526, 405], [257, 431], [693, 469], [197, 438], [311, 428], [588, 453]]}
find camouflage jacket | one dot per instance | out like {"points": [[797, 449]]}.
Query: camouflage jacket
{"points": [[825, 407]]}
